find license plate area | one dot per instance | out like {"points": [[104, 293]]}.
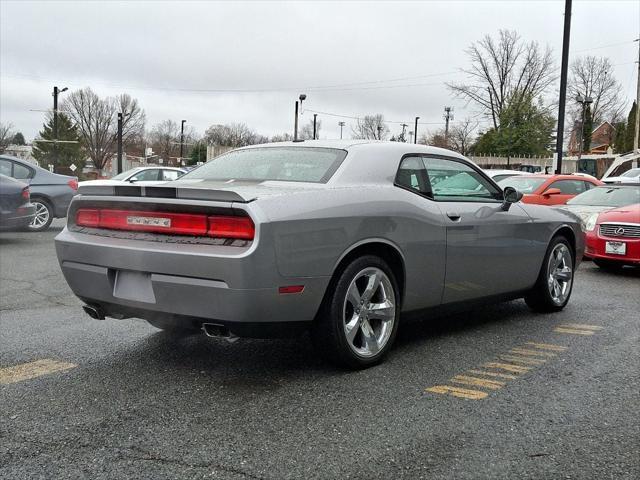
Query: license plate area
{"points": [[135, 286], [616, 248]]}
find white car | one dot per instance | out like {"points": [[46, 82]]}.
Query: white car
{"points": [[630, 176], [498, 175], [142, 176]]}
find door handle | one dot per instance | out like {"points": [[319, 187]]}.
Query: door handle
{"points": [[455, 216]]}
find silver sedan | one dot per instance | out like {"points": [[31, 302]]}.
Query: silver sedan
{"points": [[336, 237]]}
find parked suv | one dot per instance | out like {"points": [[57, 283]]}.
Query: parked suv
{"points": [[51, 193]]}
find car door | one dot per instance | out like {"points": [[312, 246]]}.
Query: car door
{"points": [[487, 242], [568, 190]]}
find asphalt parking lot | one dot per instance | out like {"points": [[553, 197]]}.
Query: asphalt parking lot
{"points": [[81, 398]]}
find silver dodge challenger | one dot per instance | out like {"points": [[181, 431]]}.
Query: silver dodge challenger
{"points": [[340, 238]]}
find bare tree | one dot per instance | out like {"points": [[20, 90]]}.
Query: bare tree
{"points": [[6, 135], [164, 136], [283, 137], [461, 136], [504, 70], [96, 119], [371, 127], [307, 130], [434, 139], [233, 135], [593, 77]]}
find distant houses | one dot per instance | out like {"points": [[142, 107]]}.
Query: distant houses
{"points": [[601, 139]]}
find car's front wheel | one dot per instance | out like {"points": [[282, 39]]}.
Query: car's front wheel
{"points": [[553, 288], [358, 320], [43, 217]]}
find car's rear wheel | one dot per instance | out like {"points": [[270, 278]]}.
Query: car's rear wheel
{"points": [[608, 265], [358, 320], [43, 217], [553, 288]]}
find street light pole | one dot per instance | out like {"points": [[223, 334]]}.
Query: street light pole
{"points": [[341, 125], [584, 101], [56, 92], [302, 97], [182, 139], [315, 116], [566, 37], [415, 131], [119, 142]]}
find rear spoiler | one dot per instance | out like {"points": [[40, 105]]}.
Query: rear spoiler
{"points": [[184, 193]]}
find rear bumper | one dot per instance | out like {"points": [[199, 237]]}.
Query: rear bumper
{"points": [[183, 284], [21, 218]]}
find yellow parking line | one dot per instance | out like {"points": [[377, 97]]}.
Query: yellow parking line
{"points": [[26, 371], [493, 374], [582, 326], [548, 346], [508, 367], [457, 392], [525, 360], [527, 352], [478, 382], [573, 331]]}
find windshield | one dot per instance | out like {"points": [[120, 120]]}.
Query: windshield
{"points": [[523, 184], [292, 164], [608, 197], [632, 173], [123, 175]]}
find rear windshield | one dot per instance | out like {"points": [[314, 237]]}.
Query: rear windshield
{"points": [[290, 164], [608, 197], [523, 183]]}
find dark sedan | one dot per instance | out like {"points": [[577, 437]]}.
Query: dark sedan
{"points": [[16, 211], [51, 193]]}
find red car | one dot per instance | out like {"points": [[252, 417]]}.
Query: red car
{"points": [[615, 239], [550, 189]]}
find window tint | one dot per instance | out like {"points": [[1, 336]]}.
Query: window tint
{"points": [[5, 167], [21, 172], [413, 175], [454, 181], [169, 175], [147, 175], [569, 187]]}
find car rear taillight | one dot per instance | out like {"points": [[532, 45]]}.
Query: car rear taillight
{"points": [[73, 183], [26, 194], [169, 223]]}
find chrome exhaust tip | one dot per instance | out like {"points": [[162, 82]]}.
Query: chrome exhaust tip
{"points": [[94, 312], [215, 330]]}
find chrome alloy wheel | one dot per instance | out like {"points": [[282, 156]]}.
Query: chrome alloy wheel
{"points": [[42, 216], [560, 273], [369, 312]]}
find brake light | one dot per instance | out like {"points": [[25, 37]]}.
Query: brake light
{"points": [[25, 193], [73, 183], [167, 222]]}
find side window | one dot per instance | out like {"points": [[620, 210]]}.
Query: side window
{"points": [[5, 167], [169, 175], [21, 172], [147, 175], [412, 175], [455, 181], [569, 187]]}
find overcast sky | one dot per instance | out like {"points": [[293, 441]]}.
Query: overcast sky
{"points": [[183, 60]]}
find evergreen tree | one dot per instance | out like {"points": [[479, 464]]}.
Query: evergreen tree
{"points": [[631, 125], [619, 139], [18, 139], [587, 129], [66, 153], [198, 153]]}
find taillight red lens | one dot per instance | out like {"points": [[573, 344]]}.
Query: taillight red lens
{"points": [[73, 183], [168, 223], [231, 227], [25, 193]]}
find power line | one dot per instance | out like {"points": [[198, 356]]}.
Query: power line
{"points": [[353, 117]]}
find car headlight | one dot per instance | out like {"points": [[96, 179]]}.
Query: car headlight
{"points": [[590, 224]]}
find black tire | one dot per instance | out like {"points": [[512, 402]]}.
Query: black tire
{"points": [[328, 331], [540, 298], [608, 265], [43, 208], [173, 329]]}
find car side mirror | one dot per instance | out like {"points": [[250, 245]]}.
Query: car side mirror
{"points": [[133, 179], [511, 195], [552, 191]]}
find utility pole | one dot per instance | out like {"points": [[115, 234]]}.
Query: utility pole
{"points": [[404, 128], [584, 101], [448, 115], [341, 125], [566, 37], [56, 92], [182, 139], [637, 133], [415, 131], [410, 136], [379, 128], [315, 116], [119, 142]]}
